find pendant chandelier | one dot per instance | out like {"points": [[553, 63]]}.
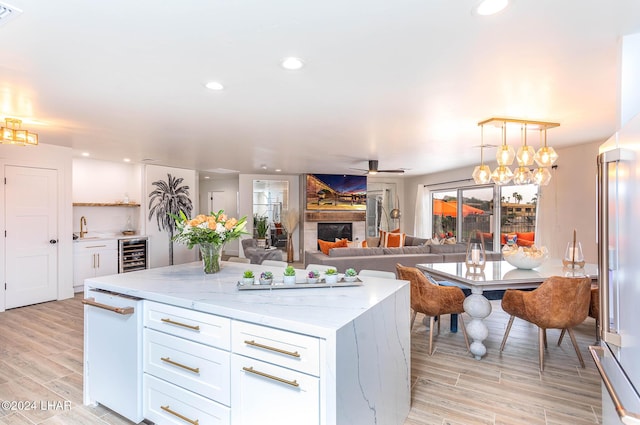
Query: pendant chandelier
{"points": [[12, 134], [525, 155]]}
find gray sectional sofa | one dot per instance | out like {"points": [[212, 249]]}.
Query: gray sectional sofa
{"points": [[414, 252]]}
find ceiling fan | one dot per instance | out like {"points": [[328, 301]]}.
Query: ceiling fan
{"points": [[373, 169]]}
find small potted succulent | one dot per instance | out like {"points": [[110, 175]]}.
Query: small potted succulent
{"points": [[313, 276], [248, 277], [266, 278], [331, 275], [289, 275], [350, 275]]}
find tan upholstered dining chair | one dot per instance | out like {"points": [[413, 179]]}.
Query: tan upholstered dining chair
{"points": [[558, 303], [432, 300]]}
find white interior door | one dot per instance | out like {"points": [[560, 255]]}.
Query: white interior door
{"points": [[215, 202], [31, 235]]}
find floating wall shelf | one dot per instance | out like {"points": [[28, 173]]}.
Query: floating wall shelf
{"points": [[105, 204]]}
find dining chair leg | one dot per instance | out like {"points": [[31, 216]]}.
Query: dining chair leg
{"points": [[541, 345], [561, 336], [544, 334], [439, 321], [431, 325], [413, 319], [575, 346], [506, 332], [597, 331], [464, 332]]}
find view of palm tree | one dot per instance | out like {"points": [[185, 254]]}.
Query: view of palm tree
{"points": [[169, 197]]}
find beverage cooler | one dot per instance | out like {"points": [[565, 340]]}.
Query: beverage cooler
{"points": [[132, 255]]}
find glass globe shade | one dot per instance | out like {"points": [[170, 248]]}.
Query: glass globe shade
{"points": [[522, 175], [541, 176], [501, 175], [481, 174], [505, 155], [546, 156], [525, 155]]}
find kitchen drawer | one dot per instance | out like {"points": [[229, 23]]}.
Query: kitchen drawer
{"points": [[287, 349], [195, 367], [165, 403], [196, 326], [94, 245], [263, 393]]}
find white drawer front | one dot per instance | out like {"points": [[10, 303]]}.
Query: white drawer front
{"points": [[263, 393], [205, 328], [168, 404], [287, 349], [196, 367], [94, 245]]}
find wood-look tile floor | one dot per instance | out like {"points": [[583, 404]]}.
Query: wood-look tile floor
{"points": [[41, 367]]}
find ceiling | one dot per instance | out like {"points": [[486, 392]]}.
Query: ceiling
{"points": [[404, 82]]}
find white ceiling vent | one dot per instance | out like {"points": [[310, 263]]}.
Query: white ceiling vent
{"points": [[8, 12]]}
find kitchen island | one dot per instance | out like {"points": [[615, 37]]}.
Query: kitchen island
{"points": [[195, 349]]}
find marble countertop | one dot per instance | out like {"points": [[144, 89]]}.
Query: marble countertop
{"points": [[314, 311]]}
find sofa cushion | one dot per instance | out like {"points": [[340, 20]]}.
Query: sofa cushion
{"points": [[448, 249], [420, 249], [393, 251], [414, 241], [355, 252], [373, 241], [325, 246]]}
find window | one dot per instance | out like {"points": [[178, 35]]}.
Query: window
{"points": [[468, 213]]}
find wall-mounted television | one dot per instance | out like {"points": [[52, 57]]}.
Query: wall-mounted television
{"points": [[336, 192]]}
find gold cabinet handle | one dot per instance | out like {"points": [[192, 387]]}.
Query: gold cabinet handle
{"points": [[176, 414], [293, 383], [119, 310], [277, 350], [190, 369], [184, 325]]}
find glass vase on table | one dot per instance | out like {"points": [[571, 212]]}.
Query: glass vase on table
{"points": [[210, 253]]}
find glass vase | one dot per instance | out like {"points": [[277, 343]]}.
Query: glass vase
{"points": [[210, 257]]}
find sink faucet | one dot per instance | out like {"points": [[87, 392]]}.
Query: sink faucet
{"points": [[83, 221]]}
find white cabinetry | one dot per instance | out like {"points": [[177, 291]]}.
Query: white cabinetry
{"points": [[94, 258], [186, 366], [275, 376]]}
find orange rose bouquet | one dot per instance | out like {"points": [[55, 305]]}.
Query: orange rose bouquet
{"points": [[216, 229]]}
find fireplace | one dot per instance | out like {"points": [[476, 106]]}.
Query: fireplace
{"points": [[331, 231]]}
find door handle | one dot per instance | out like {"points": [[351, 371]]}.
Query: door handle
{"points": [[53, 241]]}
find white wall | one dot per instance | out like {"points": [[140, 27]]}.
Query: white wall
{"points": [[567, 203], [107, 182], [59, 159]]}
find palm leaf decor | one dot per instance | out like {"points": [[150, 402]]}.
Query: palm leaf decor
{"points": [[169, 197]]}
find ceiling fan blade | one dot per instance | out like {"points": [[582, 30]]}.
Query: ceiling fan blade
{"points": [[398, 171]]}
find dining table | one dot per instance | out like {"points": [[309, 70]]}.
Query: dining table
{"points": [[496, 276]]}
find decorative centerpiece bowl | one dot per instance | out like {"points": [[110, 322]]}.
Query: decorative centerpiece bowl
{"points": [[525, 257]]}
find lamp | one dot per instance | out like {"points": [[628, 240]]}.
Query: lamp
{"points": [[526, 155], [395, 212], [12, 134]]}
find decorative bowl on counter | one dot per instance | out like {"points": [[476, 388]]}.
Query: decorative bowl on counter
{"points": [[525, 257], [128, 232]]}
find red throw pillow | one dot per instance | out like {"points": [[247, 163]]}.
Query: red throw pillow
{"points": [[527, 236], [326, 246], [523, 242], [394, 240]]}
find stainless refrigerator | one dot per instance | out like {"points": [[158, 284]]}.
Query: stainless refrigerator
{"points": [[618, 354]]}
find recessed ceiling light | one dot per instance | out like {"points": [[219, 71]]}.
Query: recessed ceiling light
{"points": [[278, 170], [206, 177], [292, 63], [126, 160], [214, 85], [85, 153], [491, 7]]}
